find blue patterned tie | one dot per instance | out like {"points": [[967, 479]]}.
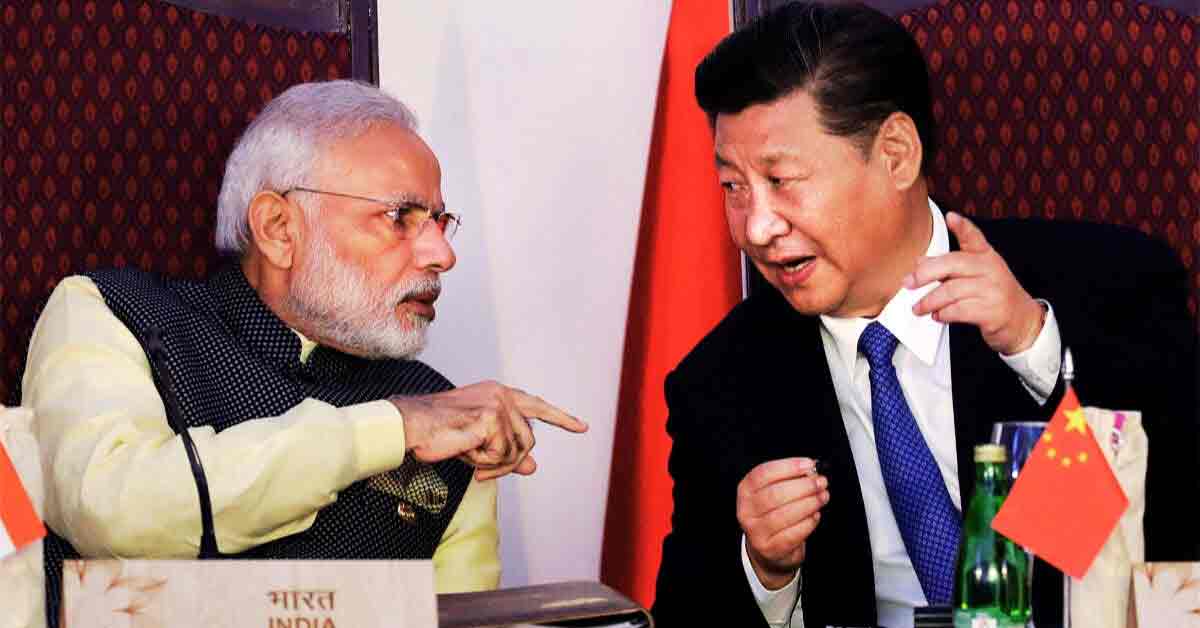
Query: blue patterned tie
{"points": [[928, 520]]}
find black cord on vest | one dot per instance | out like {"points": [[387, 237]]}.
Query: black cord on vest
{"points": [[158, 357]]}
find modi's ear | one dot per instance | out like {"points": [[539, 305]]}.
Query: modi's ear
{"points": [[275, 228], [898, 146]]}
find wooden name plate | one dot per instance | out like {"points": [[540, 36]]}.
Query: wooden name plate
{"points": [[250, 593]]}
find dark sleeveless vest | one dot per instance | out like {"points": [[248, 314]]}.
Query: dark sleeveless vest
{"points": [[233, 360]]}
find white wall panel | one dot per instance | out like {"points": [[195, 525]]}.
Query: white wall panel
{"points": [[541, 114]]}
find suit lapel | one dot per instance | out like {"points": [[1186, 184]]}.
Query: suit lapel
{"points": [[972, 375], [802, 388], [970, 379], [839, 586]]}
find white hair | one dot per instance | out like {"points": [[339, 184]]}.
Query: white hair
{"points": [[283, 146]]}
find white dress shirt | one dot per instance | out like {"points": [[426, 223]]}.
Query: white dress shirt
{"points": [[922, 362]]}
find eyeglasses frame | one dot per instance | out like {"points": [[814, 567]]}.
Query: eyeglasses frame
{"points": [[401, 208]]}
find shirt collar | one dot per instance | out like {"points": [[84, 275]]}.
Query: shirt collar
{"points": [[921, 335], [324, 362], [306, 346]]}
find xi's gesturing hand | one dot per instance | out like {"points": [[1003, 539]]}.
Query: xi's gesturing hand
{"points": [[778, 506], [978, 288], [485, 425]]}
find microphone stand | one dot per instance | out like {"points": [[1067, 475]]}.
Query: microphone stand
{"points": [[1068, 375]]}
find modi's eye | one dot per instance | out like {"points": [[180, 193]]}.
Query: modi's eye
{"points": [[411, 217]]}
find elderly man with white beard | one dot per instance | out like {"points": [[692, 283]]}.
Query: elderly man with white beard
{"points": [[276, 410]]}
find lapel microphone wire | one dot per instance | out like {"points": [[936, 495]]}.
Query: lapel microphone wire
{"points": [[158, 360]]}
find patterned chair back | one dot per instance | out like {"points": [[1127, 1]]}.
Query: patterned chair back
{"points": [[117, 118], [1069, 110]]}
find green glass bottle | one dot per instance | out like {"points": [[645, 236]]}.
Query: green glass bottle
{"points": [[991, 590]]}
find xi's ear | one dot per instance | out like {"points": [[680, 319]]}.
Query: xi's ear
{"points": [[898, 146], [275, 228]]}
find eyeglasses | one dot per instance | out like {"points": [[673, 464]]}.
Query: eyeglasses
{"points": [[410, 217]]}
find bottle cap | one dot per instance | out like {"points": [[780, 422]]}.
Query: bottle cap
{"points": [[990, 453]]}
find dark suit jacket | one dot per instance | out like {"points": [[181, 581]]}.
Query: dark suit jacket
{"points": [[758, 388]]}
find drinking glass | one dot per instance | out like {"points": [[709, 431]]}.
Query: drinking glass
{"points": [[1018, 439]]}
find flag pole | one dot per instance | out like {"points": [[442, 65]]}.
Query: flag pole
{"points": [[1068, 375]]}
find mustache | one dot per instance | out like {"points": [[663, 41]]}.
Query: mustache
{"points": [[419, 286]]}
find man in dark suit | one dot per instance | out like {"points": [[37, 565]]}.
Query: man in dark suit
{"points": [[891, 339]]}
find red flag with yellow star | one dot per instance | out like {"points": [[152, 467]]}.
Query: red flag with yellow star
{"points": [[1066, 500]]}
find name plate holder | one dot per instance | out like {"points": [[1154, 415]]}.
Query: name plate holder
{"points": [[253, 593], [566, 604]]}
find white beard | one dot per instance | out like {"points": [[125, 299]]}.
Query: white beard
{"points": [[338, 304]]}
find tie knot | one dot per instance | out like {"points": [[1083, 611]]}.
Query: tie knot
{"points": [[877, 344]]}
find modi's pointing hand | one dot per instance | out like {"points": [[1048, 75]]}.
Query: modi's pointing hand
{"points": [[778, 506], [978, 288], [485, 425]]}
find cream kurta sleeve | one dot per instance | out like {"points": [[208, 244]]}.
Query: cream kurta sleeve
{"points": [[468, 558], [118, 482]]}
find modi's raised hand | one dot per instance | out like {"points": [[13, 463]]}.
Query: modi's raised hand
{"points": [[485, 425], [978, 288]]}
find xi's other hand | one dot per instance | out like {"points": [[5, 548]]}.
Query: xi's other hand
{"points": [[778, 506], [485, 425], [978, 288]]}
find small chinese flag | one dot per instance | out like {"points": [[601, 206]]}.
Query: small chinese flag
{"points": [[19, 522], [1066, 500]]}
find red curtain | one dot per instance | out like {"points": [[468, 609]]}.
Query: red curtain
{"points": [[686, 277]]}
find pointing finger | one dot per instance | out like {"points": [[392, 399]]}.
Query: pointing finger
{"points": [[536, 408], [970, 238]]}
